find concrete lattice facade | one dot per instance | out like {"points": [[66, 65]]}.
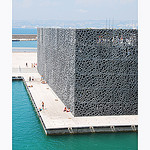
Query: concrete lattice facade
{"points": [[93, 71]]}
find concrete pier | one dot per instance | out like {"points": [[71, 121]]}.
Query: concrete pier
{"points": [[24, 37], [53, 119]]}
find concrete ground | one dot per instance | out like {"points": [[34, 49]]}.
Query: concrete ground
{"points": [[21, 58], [53, 115]]}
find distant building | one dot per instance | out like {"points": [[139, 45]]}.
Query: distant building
{"points": [[93, 71]]}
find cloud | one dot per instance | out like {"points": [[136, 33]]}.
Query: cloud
{"points": [[74, 9], [27, 3], [82, 11], [35, 3], [87, 1], [95, 2], [48, 3], [126, 1]]}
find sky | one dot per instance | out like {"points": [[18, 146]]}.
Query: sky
{"points": [[74, 9]]}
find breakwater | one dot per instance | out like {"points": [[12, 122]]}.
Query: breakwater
{"points": [[24, 37]]}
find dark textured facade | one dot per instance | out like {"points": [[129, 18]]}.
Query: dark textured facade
{"points": [[93, 71]]}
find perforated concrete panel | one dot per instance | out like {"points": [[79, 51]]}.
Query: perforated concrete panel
{"points": [[93, 71]]}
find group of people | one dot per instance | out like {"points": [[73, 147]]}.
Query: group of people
{"points": [[30, 85], [42, 80], [31, 78], [40, 109], [32, 65], [67, 110]]}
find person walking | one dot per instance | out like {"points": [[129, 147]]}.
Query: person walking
{"points": [[41, 77], [42, 105]]}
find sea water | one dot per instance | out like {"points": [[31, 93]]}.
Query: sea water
{"points": [[28, 133], [32, 44], [24, 31]]}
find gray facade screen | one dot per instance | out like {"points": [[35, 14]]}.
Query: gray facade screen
{"points": [[93, 71]]}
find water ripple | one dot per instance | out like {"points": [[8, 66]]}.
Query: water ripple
{"points": [[28, 133]]}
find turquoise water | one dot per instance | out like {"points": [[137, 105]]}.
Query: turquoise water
{"points": [[24, 44], [28, 133], [24, 31]]}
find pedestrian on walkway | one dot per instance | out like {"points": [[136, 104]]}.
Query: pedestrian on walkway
{"points": [[65, 109], [42, 105], [68, 110], [41, 77]]}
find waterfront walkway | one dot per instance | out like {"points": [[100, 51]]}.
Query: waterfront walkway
{"points": [[55, 121]]}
